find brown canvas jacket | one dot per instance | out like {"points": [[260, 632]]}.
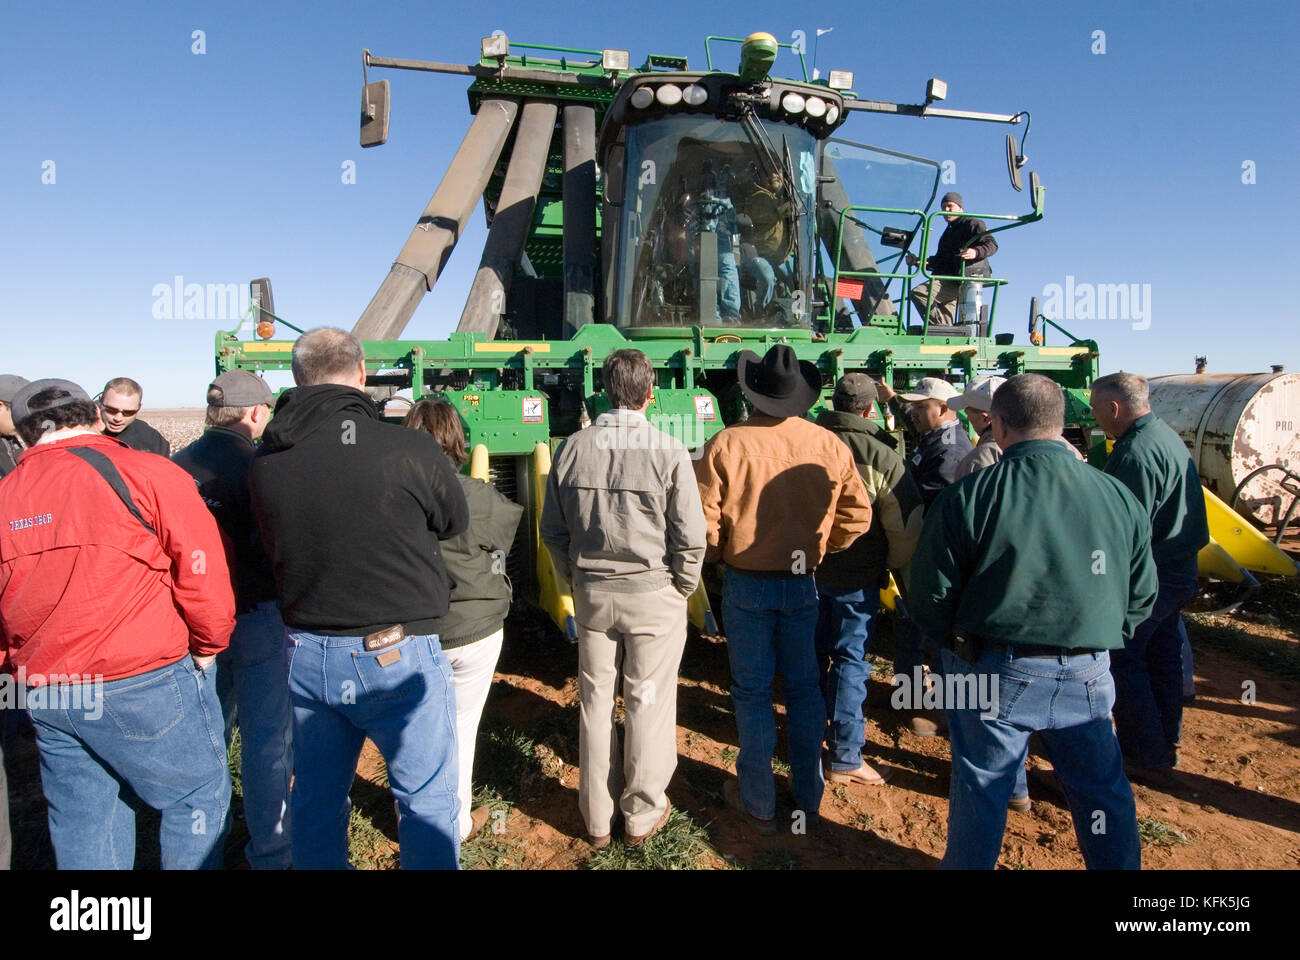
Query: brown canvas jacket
{"points": [[779, 495]]}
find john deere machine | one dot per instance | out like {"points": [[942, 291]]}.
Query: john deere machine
{"points": [[691, 213]]}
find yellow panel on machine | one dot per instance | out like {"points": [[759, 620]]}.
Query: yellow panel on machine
{"points": [[1247, 547]]}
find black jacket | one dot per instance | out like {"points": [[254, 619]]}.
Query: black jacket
{"points": [[961, 233], [138, 435], [219, 461], [476, 560], [351, 510], [934, 461], [10, 450]]}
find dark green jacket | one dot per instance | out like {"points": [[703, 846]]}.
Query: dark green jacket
{"points": [[1037, 549], [1152, 461], [476, 562], [896, 508]]}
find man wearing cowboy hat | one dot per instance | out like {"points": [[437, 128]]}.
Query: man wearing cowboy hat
{"points": [[779, 493]]}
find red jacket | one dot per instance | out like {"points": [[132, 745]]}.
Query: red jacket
{"points": [[85, 588]]}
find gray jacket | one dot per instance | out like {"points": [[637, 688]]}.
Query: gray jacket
{"points": [[623, 509]]}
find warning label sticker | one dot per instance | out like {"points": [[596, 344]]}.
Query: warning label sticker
{"points": [[704, 409], [533, 409]]}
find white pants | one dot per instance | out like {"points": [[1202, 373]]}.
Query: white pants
{"points": [[472, 668]]}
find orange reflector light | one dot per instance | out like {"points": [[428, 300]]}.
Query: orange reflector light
{"points": [[265, 329]]}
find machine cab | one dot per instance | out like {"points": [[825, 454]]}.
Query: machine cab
{"points": [[710, 196]]}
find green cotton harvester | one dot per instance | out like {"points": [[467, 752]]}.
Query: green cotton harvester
{"points": [[692, 214]]}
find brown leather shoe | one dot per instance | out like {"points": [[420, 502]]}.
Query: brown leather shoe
{"points": [[865, 774], [478, 818], [1020, 804], [731, 794], [598, 843], [634, 840]]}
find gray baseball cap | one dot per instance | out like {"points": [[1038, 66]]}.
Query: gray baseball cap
{"points": [[978, 395], [239, 388], [64, 393], [10, 384]]}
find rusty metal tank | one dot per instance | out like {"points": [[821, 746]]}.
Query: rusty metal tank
{"points": [[1234, 424]]}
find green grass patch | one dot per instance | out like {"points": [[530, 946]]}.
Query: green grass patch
{"points": [[679, 845], [368, 847], [1279, 656], [728, 755], [234, 757], [1160, 834]]}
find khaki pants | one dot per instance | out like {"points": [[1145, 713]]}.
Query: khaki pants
{"points": [[641, 635], [944, 308]]}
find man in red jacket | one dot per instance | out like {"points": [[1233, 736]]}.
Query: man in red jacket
{"points": [[114, 601]]}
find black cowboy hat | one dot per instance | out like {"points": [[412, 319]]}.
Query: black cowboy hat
{"points": [[779, 383]]}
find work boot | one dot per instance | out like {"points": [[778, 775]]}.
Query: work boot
{"points": [[865, 774], [731, 794]]}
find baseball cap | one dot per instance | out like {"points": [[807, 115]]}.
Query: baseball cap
{"points": [[239, 388], [931, 388], [978, 394], [65, 393], [10, 384], [855, 388]]}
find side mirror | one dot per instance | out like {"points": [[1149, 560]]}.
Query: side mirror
{"points": [[374, 113], [1036, 191], [259, 291], [612, 179], [1014, 163]]}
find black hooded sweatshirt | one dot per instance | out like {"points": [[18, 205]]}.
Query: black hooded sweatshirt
{"points": [[351, 510]]}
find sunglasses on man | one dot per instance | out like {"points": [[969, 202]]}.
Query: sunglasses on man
{"points": [[116, 412]]}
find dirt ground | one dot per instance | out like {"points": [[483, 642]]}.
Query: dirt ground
{"points": [[1236, 803]]}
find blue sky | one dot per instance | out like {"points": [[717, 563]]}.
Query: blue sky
{"points": [[228, 165]]}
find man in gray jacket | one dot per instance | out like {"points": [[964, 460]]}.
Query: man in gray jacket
{"points": [[624, 524]]}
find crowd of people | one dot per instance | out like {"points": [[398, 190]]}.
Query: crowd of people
{"points": [[320, 576]]}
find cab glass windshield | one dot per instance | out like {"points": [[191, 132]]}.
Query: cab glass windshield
{"points": [[717, 224]]}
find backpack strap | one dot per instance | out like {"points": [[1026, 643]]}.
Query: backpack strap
{"points": [[105, 468]]}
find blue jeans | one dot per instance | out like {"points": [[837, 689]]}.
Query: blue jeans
{"points": [[1067, 700], [254, 691], [728, 286], [770, 625], [157, 734], [910, 646], [1149, 674], [761, 275], [342, 694], [845, 623]]}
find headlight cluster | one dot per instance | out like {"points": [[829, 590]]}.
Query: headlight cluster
{"points": [[669, 95], [815, 107]]}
